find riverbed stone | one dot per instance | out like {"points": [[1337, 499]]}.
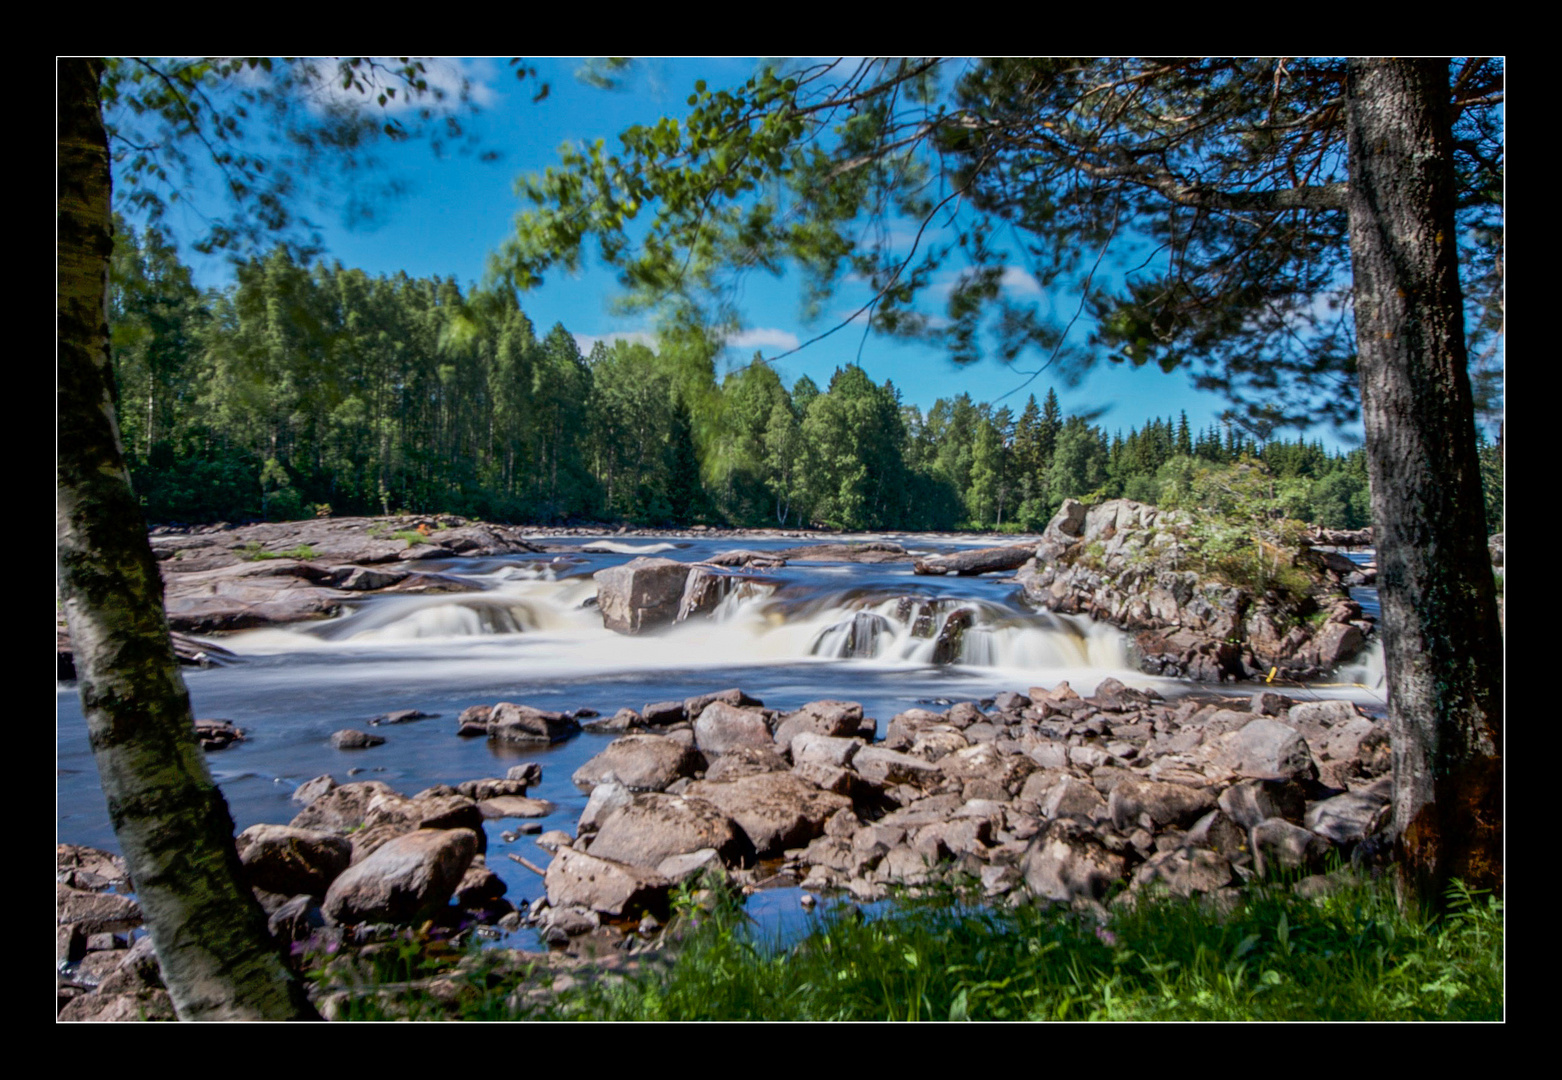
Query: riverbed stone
{"points": [[1347, 818], [830, 718], [509, 722], [1264, 748], [407, 877], [641, 595], [1185, 871], [776, 810], [349, 739], [282, 859], [1069, 861], [721, 727], [341, 808], [886, 767], [1163, 804], [95, 912], [1281, 847], [1251, 801], [640, 763], [613, 888], [652, 827]]}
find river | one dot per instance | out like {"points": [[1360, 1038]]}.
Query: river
{"points": [[529, 636]]}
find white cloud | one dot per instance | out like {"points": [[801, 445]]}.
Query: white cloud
{"points": [[635, 337], [1015, 280], [762, 337]]}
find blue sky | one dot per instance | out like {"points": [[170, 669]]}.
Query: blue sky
{"points": [[456, 210]]}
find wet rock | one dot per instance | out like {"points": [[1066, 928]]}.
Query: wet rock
{"points": [[528, 773], [614, 888], [217, 734], [514, 806], [640, 762], [652, 827], [776, 810], [722, 727], [282, 859], [479, 888], [349, 739], [408, 877], [641, 595], [509, 722], [401, 716], [492, 788]]}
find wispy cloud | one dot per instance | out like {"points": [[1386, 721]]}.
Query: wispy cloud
{"points": [[764, 337]]}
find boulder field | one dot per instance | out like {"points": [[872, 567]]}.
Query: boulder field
{"points": [[1043, 796]]}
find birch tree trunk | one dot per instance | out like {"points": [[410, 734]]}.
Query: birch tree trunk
{"points": [[217, 959]]}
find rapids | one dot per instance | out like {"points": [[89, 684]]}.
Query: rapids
{"points": [[530, 634]]}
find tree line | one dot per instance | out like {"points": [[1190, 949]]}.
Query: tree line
{"points": [[301, 388]]}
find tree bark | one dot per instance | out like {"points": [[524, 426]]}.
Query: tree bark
{"points": [[1443, 645], [218, 961]]}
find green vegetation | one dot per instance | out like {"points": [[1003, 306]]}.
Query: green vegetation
{"points": [[1276, 956], [253, 552], [306, 390]]}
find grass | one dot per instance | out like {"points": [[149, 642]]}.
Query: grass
{"points": [[253, 552], [1277, 956]]}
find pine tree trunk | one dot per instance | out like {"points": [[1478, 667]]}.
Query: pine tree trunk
{"points": [[1442, 641], [217, 959]]}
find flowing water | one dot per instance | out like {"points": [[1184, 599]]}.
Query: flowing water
{"points": [[807, 631]]}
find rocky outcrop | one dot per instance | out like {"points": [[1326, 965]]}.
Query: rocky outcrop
{"points": [[643, 594], [1126, 563]]}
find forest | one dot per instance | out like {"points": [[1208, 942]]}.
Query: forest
{"points": [[310, 390]]}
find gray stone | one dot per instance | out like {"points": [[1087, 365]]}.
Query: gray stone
{"points": [[1265, 748], [776, 810], [509, 722], [721, 727], [1069, 861], [310, 790], [1253, 801], [640, 763], [1164, 804], [1347, 818], [652, 827], [614, 888], [282, 859], [641, 595], [1280, 847], [1185, 871], [407, 877], [348, 739]]}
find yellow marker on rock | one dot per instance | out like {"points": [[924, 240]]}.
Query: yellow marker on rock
{"points": [[1271, 677]]}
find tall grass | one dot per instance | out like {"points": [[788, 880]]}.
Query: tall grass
{"points": [[1351, 955], [1278, 956]]}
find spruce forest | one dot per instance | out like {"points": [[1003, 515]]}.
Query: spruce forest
{"points": [[311, 390]]}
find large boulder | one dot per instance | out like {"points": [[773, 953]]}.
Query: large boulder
{"points": [[508, 722], [640, 762], [1069, 861], [777, 810], [722, 727], [575, 878], [290, 861], [640, 595], [1265, 748], [407, 878], [652, 827]]}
